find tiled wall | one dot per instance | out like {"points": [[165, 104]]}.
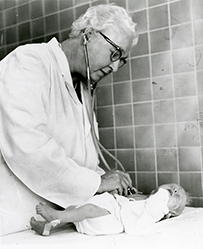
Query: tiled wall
{"points": [[150, 112], [151, 117]]}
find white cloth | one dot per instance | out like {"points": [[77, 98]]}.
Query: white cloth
{"points": [[45, 139], [126, 214]]}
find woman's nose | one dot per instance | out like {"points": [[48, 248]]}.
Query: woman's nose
{"points": [[115, 65]]}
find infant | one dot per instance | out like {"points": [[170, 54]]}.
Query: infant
{"points": [[112, 214]]}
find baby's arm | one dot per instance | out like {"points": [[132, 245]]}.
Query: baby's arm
{"points": [[71, 214]]}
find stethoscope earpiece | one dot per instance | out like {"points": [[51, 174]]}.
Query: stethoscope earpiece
{"points": [[85, 39]]}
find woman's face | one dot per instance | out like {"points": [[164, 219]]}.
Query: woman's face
{"points": [[100, 51]]}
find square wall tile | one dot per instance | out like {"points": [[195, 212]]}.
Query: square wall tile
{"points": [[144, 137], [167, 159], [105, 116], [8, 4], [145, 160], [2, 20], [36, 9], [199, 57], [183, 60], [23, 13], [165, 178], [188, 134], [104, 95], [161, 64], [122, 93], [186, 109], [123, 115], [66, 19], [123, 74], [24, 31], [10, 15], [184, 84], [124, 138], [190, 159], [198, 31], [142, 114], [165, 135], [192, 183], [51, 7], [158, 17], [140, 18], [38, 27], [142, 47], [106, 80], [162, 87], [180, 12], [126, 157], [199, 83], [134, 5], [196, 202], [51, 23], [160, 40], [107, 138], [164, 112], [197, 7], [140, 68], [11, 35], [146, 182], [181, 36], [141, 90]]}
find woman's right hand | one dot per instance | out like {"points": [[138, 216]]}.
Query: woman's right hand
{"points": [[115, 181]]}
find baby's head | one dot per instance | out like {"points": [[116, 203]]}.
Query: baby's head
{"points": [[178, 199]]}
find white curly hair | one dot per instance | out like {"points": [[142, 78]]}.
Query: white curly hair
{"points": [[102, 16]]}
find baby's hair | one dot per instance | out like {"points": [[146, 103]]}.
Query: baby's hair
{"points": [[102, 16], [180, 209]]}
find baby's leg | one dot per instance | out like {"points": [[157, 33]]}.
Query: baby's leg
{"points": [[71, 214]]}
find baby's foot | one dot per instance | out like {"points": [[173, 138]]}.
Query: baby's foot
{"points": [[38, 226], [48, 213], [43, 227]]}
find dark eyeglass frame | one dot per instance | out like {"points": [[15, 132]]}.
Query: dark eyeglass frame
{"points": [[114, 57]]}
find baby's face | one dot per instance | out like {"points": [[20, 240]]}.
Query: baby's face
{"points": [[177, 198]]}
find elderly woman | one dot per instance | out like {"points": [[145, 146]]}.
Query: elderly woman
{"points": [[48, 149]]}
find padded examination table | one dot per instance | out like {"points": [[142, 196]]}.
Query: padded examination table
{"points": [[183, 232]]}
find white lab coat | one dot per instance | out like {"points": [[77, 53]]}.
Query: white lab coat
{"points": [[45, 140]]}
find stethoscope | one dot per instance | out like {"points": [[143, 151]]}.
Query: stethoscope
{"points": [[90, 110]]}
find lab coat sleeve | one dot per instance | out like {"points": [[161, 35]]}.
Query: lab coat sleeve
{"points": [[33, 155]]}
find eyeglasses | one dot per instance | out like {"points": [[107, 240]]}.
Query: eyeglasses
{"points": [[117, 54]]}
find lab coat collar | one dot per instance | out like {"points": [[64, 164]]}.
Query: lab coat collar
{"points": [[61, 59], [63, 66]]}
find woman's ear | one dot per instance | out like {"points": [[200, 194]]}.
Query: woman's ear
{"points": [[88, 33]]}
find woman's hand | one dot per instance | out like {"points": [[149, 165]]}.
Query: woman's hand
{"points": [[115, 181]]}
